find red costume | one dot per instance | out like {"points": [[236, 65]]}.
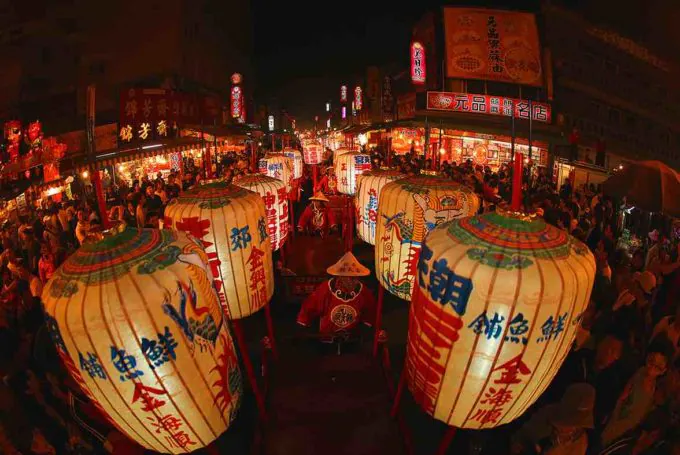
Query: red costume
{"points": [[328, 184], [338, 310], [341, 302], [317, 217]]}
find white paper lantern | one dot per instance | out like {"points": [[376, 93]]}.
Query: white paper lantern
{"points": [[494, 313], [339, 152], [296, 158], [369, 185], [138, 325], [312, 152], [231, 223], [277, 166], [407, 210], [347, 167], [273, 194]]}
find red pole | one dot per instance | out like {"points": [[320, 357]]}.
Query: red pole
{"points": [[101, 200], [378, 319], [517, 183], [400, 392], [315, 176], [270, 330], [291, 228], [253, 158], [446, 441], [250, 371]]}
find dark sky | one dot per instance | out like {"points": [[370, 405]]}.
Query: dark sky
{"points": [[304, 50]]}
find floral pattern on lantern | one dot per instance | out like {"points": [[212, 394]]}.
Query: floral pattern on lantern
{"points": [[277, 166], [137, 324], [348, 167], [231, 224], [312, 152], [407, 210], [296, 158], [369, 185], [494, 314], [273, 194]]}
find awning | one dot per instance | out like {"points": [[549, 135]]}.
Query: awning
{"points": [[122, 155]]}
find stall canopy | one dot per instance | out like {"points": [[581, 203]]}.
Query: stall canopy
{"points": [[104, 158], [649, 185]]}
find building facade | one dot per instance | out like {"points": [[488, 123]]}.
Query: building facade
{"points": [[613, 97], [51, 54]]}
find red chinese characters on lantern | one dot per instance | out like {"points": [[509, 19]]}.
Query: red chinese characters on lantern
{"points": [[258, 285], [148, 398], [236, 102], [272, 222], [417, 63], [199, 229], [498, 395], [425, 365], [283, 210]]}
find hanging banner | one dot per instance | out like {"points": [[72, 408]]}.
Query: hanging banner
{"points": [[358, 99], [343, 93], [236, 102], [489, 105], [418, 69], [492, 45]]}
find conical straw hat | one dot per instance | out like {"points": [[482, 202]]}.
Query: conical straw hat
{"points": [[319, 197], [348, 266]]}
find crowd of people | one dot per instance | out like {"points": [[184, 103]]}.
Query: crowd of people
{"points": [[618, 391]]}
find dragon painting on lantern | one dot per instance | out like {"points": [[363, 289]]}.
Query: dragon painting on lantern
{"points": [[410, 232]]}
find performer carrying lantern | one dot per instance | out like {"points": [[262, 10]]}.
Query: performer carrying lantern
{"points": [[317, 217], [341, 302]]}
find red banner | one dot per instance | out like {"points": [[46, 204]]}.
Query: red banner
{"points": [[489, 105], [343, 93], [236, 102], [358, 98], [418, 68]]}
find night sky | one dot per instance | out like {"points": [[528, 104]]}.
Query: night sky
{"points": [[304, 50]]}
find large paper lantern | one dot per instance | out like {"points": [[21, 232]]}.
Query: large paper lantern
{"points": [[369, 185], [339, 152], [494, 313], [348, 167], [277, 166], [231, 223], [312, 152], [407, 210], [137, 323], [296, 158], [273, 194]]}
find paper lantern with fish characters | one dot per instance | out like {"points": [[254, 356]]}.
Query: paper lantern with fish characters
{"points": [[137, 323], [494, 313], [231, 223], [296, 158], [273, 194], [407, 210], [277, 166], [348, 167], [369, 185], [312, 152]]}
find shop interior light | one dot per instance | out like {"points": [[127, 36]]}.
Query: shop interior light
{"points": [[620, 166], [152, 146], [85, 174], [442, 151], [120, 168]]}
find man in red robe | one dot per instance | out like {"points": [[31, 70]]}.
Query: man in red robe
{"points": [[317, 216], [341, 302]]}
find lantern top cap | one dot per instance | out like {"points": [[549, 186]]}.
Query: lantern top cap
{"points": [[429, 172], [348, 265], [98, 234], [211, 194]]}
